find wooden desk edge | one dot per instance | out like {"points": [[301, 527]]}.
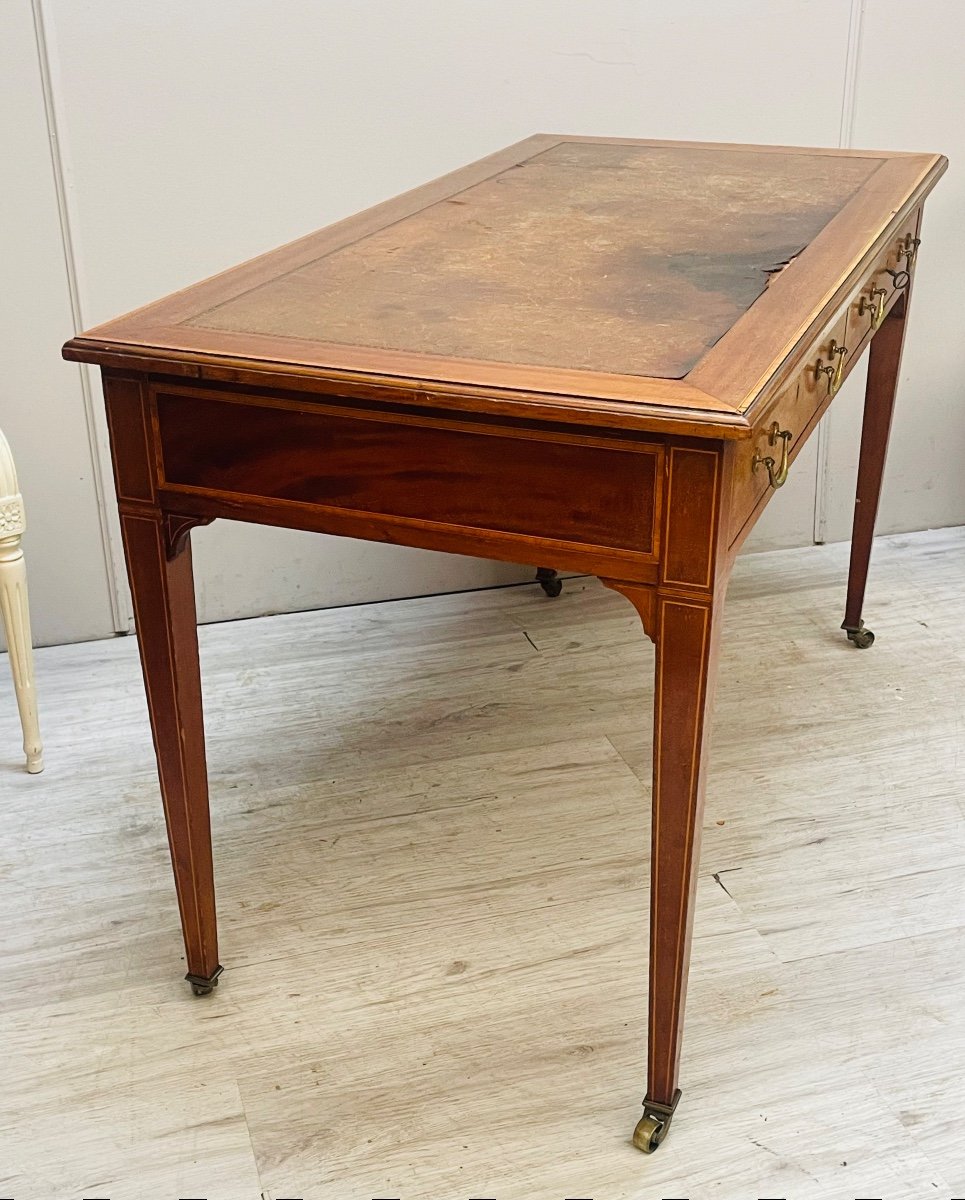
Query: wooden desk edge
{"points": [[705, 404], [581, 411]]}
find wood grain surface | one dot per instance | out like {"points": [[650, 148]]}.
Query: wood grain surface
{"points": [[594, 494], [431, 823]]}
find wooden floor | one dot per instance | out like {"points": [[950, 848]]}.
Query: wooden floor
{"points": [[431, 827]]}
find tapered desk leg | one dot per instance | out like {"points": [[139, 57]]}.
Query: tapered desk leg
{"points": [[164, 611], [686, 633], [884, 364]]}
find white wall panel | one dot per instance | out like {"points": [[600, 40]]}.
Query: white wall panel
{"points": [[198, 134], [41, 403], [911, 96]]}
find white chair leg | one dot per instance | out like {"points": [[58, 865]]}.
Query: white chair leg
{"points": [[14, 611]]}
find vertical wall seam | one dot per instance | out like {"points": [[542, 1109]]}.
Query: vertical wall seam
{"points": [[96, 439], [849, 106]]}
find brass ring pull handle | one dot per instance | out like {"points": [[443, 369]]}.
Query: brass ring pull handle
{"points": [[776, 477], [833, 370], [900, 279], [874, 305]]}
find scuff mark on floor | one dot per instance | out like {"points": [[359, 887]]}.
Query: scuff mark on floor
{"points": [[719, 881]]}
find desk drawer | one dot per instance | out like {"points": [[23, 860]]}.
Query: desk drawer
{"points": [[795, 411], [888, 277], [801, 403], [386, 470]]}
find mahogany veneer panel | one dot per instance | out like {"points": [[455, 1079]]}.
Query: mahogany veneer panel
{"points": [[561, 489]]}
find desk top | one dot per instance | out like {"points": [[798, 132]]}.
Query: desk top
{"points": [[602, 272]]}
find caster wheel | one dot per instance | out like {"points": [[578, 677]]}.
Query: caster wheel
{"points": [[654, 1125], [549, 581], [649, 1133], [203, 985], [862, 638]]}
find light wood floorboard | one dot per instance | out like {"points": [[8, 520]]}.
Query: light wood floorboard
{"points": [[431, 834]]}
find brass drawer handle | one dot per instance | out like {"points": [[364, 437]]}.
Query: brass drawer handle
{"points": [[909, 250], [833, 370], [874, 305], [777, 477], [899, 279]]}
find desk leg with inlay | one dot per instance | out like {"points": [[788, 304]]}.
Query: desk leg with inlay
{"points": [[162, 587], [686, 632], [884, 366], [158, 552]]}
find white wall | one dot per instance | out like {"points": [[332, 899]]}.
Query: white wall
{"points": [[195, 134], [42, 409], [910, 95]]}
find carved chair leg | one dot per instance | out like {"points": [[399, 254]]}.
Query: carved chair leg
{"points": [[14, 610], [884, 364], [162, 588], [686, 633]]}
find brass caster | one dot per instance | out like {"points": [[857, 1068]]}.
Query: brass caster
{"points": [[654, 1125], [549, 581], [202, 985], [860, 637], [649, 1133]]}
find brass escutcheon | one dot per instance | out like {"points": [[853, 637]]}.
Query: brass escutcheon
{"points": [[778, 476]]}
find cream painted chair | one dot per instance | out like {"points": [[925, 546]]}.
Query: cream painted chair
{"points": [[13, 608]]}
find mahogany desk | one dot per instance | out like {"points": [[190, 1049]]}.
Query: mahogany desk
{"points": [[592, 353]]}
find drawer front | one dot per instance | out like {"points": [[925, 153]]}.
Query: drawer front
{"points": [[885, 282], [751, 479], [801, 403], [415, 470], [795, 411]]}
